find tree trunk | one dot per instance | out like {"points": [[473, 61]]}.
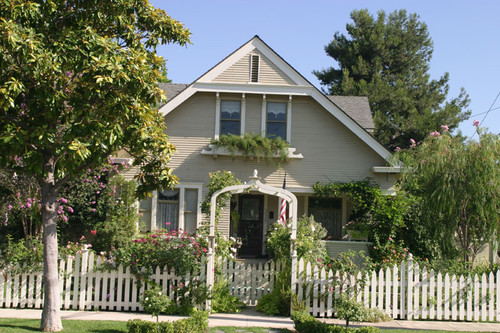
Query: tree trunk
{"points": [[51, 316]]}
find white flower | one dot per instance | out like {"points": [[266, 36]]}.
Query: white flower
{"points": [[159, 293], [146, 299], [232, 239]]}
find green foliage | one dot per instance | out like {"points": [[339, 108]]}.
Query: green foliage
{"points": [[389, 252], [154, 301], [222, 301], [457, 189], [278, 301], [254, 145], [121, 220], [197, 323], [27, 254], [179, 251], [305, 323], [102, 209], [309, 244], [387, 58], [349, 309], [78, 82], [382, 216], [219, 180]]}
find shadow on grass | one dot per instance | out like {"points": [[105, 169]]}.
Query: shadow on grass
{"points": [[19, 327]]}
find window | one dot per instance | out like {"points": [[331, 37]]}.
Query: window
{"points": [[167, 213], [230, 117], [328, 212], [276, 120], [172, 209]]}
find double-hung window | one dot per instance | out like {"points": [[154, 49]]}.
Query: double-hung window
{"points": [[167, 214], [172, 209], [230, 117], [276, 120]]}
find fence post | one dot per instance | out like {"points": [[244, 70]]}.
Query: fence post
{"points": [[409, 288]]}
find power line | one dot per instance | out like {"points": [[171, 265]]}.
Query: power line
{"points": [[491, 107], [475, 115]]}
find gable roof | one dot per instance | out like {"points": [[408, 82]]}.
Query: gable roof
{"points": [[357, 107], [299, 87]]}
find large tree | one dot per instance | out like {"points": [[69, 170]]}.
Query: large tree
{"points": [[457, 189], [387, 59], [79, 81]]}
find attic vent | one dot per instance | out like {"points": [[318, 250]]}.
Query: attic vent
{"points": [[254, 68]]}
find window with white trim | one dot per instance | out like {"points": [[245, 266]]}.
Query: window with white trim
{"points": [[230, 117], [276, 120], [172, 209]]}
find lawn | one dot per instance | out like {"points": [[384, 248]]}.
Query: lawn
{"points": [[12, 325]]}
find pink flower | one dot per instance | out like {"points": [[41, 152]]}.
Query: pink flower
{"points": [[64, 201], [397, 149], [70, 209], [374, 247], [475, 123], [93, 210], [28, 204], [445, 128], [65, 219], [93, 202], [412, 141], [390, 238], [9, 206], [97, 192], [434, 134]]}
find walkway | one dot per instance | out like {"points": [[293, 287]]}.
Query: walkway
{"points": [[251, 318]]}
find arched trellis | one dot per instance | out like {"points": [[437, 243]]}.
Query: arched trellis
{"points": [[254, 185]]}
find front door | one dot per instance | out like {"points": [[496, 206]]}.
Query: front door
{"points": [[250, 225]]}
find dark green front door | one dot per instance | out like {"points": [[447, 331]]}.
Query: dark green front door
{"points": [[250, 225]]}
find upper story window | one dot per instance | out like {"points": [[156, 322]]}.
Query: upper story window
{"points": [[230, 117], [276, 125]]}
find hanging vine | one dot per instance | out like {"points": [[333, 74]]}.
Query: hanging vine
{"points": [[254, 145]]}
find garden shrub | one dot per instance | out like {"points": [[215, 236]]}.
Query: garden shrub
{"points": [[222, 301], [28, 254], [197, 323], [305, 323]]}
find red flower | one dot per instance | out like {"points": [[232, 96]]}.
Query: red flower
{"points": [[93, 232]]}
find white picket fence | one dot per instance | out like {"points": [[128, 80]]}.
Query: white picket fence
{"points": [[84, 287], [403, 292]]}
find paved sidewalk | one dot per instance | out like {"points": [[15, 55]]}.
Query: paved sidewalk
{"points": [[251, 318]]}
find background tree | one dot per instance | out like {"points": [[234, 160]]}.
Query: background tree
{"points": [[388, 59], [457, 188], [78, 81]]}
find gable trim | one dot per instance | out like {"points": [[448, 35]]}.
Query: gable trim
{"points": [[303, 88]]}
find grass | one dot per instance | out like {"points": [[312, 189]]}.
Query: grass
{"points": [[14, 325]]}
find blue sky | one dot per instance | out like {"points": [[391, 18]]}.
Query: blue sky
{"points": [[466, 36]]}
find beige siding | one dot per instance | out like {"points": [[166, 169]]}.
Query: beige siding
{"points": [[253, 113], [239, 72], [331, 152]]}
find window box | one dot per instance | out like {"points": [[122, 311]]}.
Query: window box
{"points": [[215, 151]]}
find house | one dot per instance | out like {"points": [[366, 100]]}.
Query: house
{"points": [[254, 90]]}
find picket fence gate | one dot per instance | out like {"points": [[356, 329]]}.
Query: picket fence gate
{"points": [[403, 292]]}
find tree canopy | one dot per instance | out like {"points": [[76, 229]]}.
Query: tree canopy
{"points": [[79, 81], [388, 59], [456, 185]]}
